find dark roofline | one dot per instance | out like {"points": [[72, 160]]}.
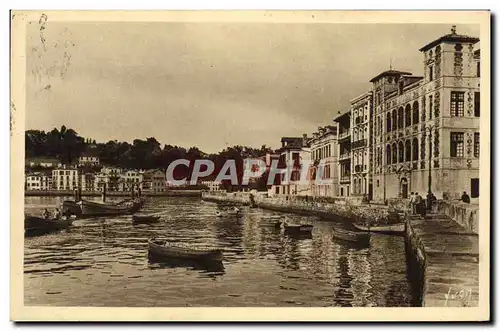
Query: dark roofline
{"points": [[449, 38], [336, 119], [389, 73]]}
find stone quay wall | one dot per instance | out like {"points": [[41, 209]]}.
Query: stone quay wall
{"points": [[345, 209]]}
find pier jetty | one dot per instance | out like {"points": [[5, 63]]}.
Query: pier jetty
{"points": [[442, 248]]}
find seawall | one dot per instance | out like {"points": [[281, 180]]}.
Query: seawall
{"points": [[169, 193], [343, 209], [442, 255]]}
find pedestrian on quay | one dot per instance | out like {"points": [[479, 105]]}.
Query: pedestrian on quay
{"points": [[418, 203], [465, 197]]}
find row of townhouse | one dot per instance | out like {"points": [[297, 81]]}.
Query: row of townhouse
{"points": [[115, 179], [406, 134], [85, 160]]}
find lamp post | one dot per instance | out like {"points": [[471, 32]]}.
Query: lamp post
{"points": [[429, 184]]}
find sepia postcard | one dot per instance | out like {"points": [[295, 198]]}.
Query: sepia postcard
{"points": [[250, 165]]}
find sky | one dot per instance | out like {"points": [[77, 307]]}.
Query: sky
{"points": [[209, 85]]}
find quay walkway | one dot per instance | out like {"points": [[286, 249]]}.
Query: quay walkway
{"points": [[450, 261]]}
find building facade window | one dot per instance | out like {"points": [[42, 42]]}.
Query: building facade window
{"points": [[407, 115], [476, 144], [400, 118], [388, 154], [431, 73], [416, 113], [478, 69], [477, 100], [401, 152], [457, 104], [457, 144], [430, 106], [394, 153], [415, 149], [407, 151]]}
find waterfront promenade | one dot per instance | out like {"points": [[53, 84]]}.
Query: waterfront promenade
{"points": [[443, 255]]}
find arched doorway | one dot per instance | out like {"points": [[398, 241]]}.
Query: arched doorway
{"points": [[404, 188]]}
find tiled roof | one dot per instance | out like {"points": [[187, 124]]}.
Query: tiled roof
{"points": [[451, 37], [389, 73]]}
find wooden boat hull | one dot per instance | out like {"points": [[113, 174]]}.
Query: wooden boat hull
{"points": [[145, 219], [298, 228], [159, 249], [389, 229], [202, 265], [303, 228], [71, 207], [91, 208], [34, 225], [361, 238]]}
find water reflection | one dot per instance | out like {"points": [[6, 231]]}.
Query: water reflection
{"points": [[262, 266]]}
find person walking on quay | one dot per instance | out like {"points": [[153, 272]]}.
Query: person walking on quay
{"points": [[465, 197], [418, 204]]}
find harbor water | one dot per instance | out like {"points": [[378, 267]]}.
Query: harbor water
{"points": [[104, 262]]}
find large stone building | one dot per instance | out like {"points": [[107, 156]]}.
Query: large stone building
{"points": [[344, 152], [426, 128], [295, 153], [324, 169], [361, 145], [66, 178]]}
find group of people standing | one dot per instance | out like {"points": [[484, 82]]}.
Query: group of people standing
{"points": [[418, 205]]}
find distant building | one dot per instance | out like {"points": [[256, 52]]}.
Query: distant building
{"points": [[293, 152], [38, 182], [65, 178], [88, 160], [212, 185], [130, 179], [87, 181], [43, 162], [111, 176], [154, 181], [324, 170], [344, 153]]}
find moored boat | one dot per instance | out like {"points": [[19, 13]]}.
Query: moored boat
{"points": [[35, 225], [362, 238], [95, 208], [163, 248], [144, 219], [398, 228], [302, 228]]}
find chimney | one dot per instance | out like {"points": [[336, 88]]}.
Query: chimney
{"points": [[304, 136], [454, 29]]}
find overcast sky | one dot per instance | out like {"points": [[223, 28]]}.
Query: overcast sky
{"points": [[209, 85]]}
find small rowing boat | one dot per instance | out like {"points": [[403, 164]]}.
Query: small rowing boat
{"points": [[289, 228], [351, 236], [165, 249], [38, 225], [145, 219], [390, 228]]}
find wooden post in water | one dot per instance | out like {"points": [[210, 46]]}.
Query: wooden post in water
{"points": [[104, 192]]}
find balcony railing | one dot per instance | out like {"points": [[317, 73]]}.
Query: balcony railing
{"points": [[346, 178], [344, 134], [359, 143], [345, 156]]}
